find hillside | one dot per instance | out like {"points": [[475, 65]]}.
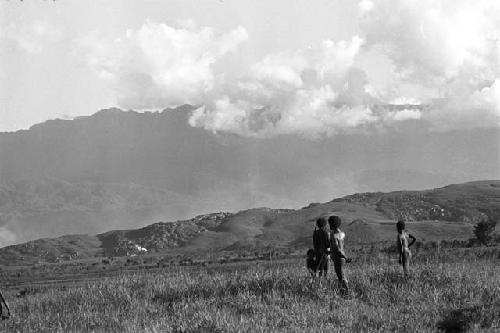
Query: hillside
{"points": [[468, 202], [124, 169], [444, 213]]}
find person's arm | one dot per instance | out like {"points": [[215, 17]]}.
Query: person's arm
{"points": [[347, 260], [342, 255], [2, 299], [413, 239], [340, 248]]}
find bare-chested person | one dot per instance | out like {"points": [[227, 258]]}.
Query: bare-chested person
{"points": [[321, 243], [3, 303], [404, 246], [337, 238]]}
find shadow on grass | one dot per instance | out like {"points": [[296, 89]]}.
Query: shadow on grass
{"points": [[461, 320]]}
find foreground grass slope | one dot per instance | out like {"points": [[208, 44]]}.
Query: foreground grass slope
{"points": [[272, 297]]}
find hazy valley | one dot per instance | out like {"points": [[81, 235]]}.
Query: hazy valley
{"points": [[121, 170]]}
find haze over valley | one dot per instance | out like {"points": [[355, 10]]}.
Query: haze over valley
{"points": [[123, 169]]}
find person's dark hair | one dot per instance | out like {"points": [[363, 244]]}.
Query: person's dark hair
{"points": [[310, 253], [334, 221], [400, 225], [321, 222]]}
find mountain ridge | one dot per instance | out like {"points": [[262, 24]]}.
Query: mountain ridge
{"points": [[120, 158], [256, 228]]}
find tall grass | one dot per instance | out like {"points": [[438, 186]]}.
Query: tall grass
{"points": [[277, 297]]}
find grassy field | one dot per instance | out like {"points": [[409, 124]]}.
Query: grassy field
{"points": [[273, 296]]}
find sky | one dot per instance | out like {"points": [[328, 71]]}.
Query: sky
{"points": [[255, 68]]}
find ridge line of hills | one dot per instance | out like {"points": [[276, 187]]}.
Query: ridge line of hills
{"points": [[448, 213], [124, 169]]}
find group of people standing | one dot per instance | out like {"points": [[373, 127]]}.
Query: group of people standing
{"points": [[329, 244]]}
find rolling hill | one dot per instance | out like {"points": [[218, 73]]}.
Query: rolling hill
{"points": [[445, 213]]}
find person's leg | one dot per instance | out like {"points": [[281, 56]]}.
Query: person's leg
{"points": [[327, 265], [312, 266], [406, 262], [339, 270], [322, 268]]}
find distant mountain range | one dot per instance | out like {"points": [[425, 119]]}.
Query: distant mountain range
{"points": [[119, 170], [444, 213]]}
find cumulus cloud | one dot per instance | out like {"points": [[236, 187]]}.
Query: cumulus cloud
{"points": [[311, 92], [405, 114], [444, 58], [468, 108], [159, 65], [403, 100], [450, 48]]}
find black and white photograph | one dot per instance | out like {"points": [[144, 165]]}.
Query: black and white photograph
{"points": [[249, 166]]}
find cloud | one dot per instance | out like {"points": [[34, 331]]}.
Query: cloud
{"points": [[310, 92], [159, 65], [469, 107], [403, 100], [31, 38], [365, 6], [444, 69], [405, 114], [450, 48]]}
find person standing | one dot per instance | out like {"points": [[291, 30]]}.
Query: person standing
{"points": [[321, 243], [337, 239], [403, 245]]}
